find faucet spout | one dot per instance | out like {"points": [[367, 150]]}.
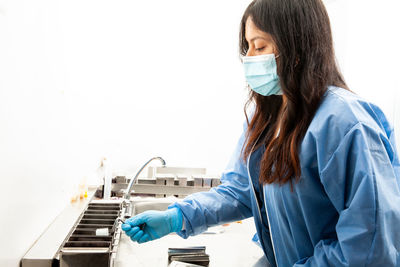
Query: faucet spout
{"points": [[132, 182]]}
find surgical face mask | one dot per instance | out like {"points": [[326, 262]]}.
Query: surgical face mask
{"points": [[261, 74]]}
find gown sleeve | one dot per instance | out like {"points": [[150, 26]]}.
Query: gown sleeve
{"points": [[361, 178], [227, 202]]}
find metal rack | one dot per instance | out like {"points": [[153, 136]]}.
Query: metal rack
{"points": [[83, 247]]}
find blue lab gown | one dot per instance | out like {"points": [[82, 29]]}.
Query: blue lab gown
{"points": [[345, 211]]}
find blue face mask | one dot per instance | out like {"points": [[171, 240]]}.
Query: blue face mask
{"points": [[260, 72]]}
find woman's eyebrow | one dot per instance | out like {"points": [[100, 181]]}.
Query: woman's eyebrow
{"points": [[258, 37]]}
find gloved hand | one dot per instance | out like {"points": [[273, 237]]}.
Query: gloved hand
{"points": [[157, 224]]}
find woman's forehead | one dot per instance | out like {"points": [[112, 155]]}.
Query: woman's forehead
{"points": [[252, 32]]}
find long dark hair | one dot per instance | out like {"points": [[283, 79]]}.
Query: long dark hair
{"points": [[306, 67]]}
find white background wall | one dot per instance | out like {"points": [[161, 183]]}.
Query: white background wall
{"points": [[129, 80]]}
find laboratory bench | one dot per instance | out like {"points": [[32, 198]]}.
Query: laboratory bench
{"points": [[227, 246]]}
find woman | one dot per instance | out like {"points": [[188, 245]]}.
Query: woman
{"points": [[316, 165]]}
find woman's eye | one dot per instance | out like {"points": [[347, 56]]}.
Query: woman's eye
{"points": [[260, 49]]}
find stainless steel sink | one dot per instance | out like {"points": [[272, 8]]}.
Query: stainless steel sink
{"points": [[141, 204]]}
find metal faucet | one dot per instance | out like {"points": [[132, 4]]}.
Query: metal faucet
{"points": [[130, 185]]}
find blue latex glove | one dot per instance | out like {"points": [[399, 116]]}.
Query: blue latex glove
{"points": [[157, 224]]}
